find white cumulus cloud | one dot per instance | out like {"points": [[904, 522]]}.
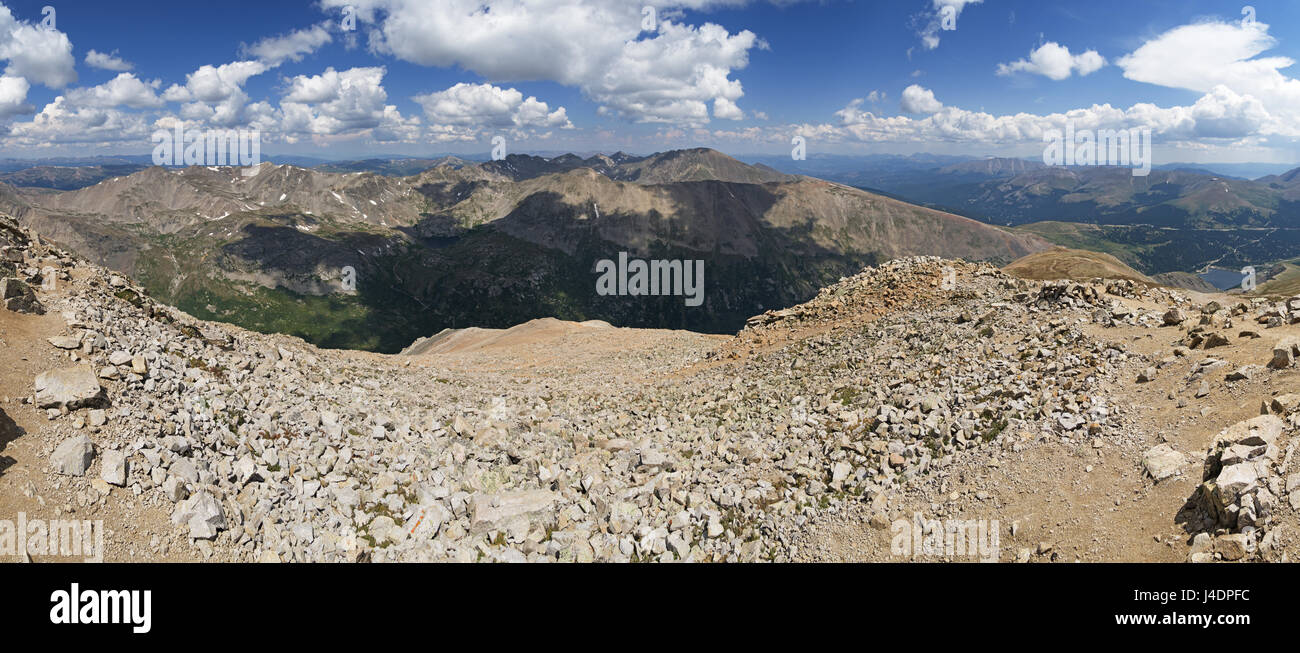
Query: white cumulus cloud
{"points": [[61, 123], [107, 61], [123, 90], [36, 53], [215, 94], [215, 83], [342, 102], [918, 100], [485, 105], [1220, 118], [1054, 61], [293, 46], [672, 73], [1203, 56], [13, 97]]}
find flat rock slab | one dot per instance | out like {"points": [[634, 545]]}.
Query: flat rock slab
{"points": [[69, 386], [488, 511], [1163, 461], [65, 342], [113, 468]]}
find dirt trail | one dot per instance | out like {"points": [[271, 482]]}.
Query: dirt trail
{"points": [[25, 484]]}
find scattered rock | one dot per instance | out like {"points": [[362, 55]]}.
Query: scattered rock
{"points": [[113, 467], [73, 456], [1232, 547], [203, 515], [1283, 353], [1163, 461]]}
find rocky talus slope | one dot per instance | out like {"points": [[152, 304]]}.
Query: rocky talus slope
{"points": [[920, 387]]}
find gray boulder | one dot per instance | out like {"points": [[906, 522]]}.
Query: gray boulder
{"points": [[487, 511], [1262, 430], [73, 456], [202, 513], [1163, 461], [113, 468], [69, 386]]}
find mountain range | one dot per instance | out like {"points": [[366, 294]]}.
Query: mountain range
{"points": [[1020, 191], [1178, 221], [489, 244]]}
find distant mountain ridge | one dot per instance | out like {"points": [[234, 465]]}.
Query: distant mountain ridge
{"points": [[489, 244], [1016, 191]]}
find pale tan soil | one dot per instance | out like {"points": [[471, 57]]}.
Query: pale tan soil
{"points": [[548, 346]]}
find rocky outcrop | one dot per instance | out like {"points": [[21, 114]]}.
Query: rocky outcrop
{"points": [[1242, 484], [18, 297]]}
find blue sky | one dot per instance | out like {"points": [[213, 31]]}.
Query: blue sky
{"points": [[419, 77]]}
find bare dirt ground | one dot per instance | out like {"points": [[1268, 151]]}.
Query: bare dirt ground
{"points": [[548, 346]]}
